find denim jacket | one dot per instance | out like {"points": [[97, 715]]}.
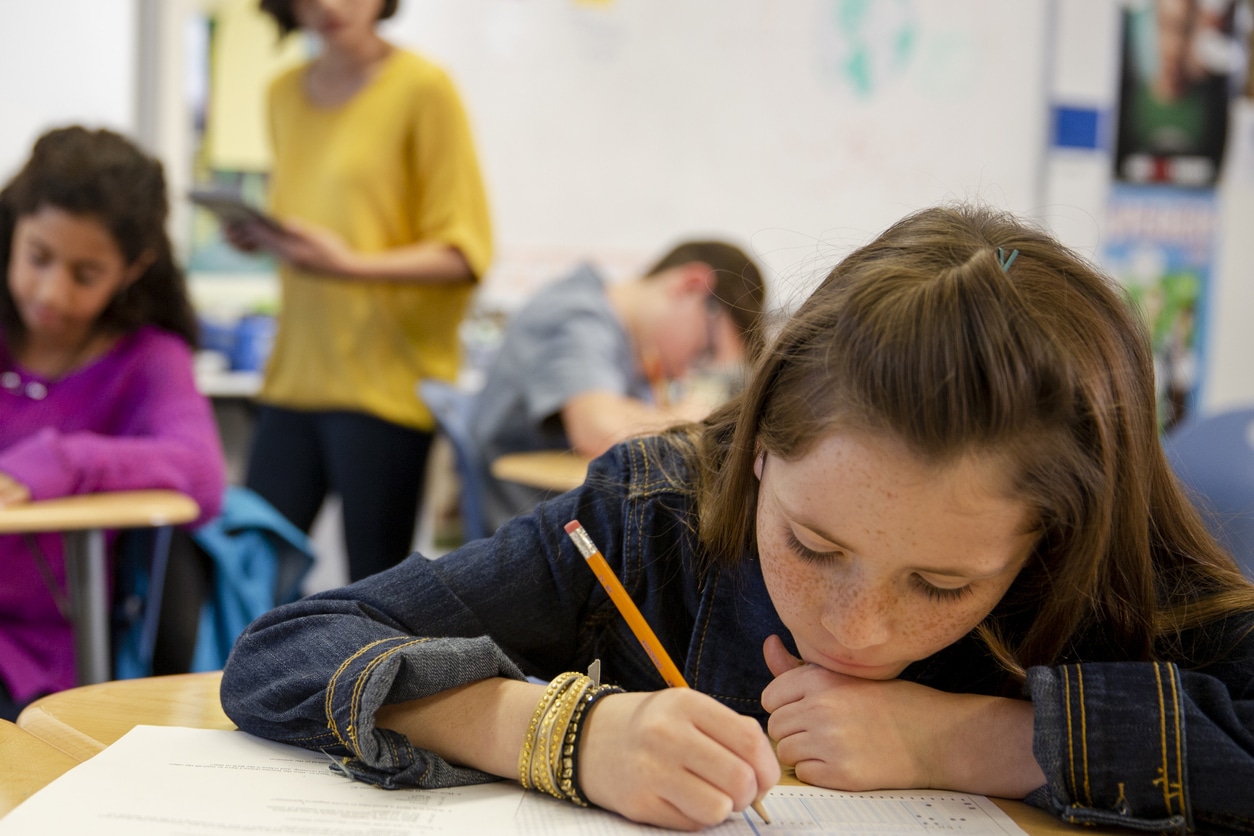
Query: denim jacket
{"points": [[1149, 745]]}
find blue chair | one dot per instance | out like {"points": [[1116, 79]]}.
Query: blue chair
{"points": [[1214, 457], [454, 409]]}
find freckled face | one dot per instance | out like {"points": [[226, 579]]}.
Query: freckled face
{"points": [[875, 559]]}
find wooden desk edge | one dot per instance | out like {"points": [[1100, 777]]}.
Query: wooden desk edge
{"points": [[29, 765], [114, 509], [82, 721], [557, 470]]}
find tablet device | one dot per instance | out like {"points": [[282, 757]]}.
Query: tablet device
{"points": [[229, 207]]}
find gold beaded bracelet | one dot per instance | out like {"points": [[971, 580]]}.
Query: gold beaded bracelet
{"points": [[548, 759], [542, 707]]}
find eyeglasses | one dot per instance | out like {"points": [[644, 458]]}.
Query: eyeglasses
{"points": [[708, 354]]}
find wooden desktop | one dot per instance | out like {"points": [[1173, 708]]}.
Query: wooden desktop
{"points": [[552, 470], [73, 725]]}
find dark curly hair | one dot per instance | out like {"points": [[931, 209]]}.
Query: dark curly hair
{"points": [[285, 17], [102, 175]]}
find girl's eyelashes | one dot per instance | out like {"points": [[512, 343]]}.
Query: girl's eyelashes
{"points": [[805, 552], [933, 592], [940, 593]]}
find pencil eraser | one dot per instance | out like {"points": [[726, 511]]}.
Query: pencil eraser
{"points": [[572, 525]]}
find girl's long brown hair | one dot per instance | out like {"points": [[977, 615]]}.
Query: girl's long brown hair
{"points": [[936, 333]]}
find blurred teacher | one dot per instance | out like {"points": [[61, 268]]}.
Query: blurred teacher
{"points": [[385, 230]]}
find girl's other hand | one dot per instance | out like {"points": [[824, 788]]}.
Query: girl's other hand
{"points": [[12, 492], [674, 758], [857, 734], [843, 732]]}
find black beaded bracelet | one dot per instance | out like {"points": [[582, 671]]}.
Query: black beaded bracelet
{"points": [[569, 781]]}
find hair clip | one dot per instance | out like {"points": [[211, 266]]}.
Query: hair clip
{"points": [[1006, 262]]}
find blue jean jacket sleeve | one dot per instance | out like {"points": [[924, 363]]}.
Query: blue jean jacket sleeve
{"points": [[385, 669], [314, 673], [1143, 745]]}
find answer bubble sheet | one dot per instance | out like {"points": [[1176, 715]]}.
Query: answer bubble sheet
{"points": [[172, 781]]}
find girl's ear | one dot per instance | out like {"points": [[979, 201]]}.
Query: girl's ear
{"points": [[138, 267], [759, 462], [693, 277]]}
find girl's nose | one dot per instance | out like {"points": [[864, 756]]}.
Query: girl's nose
{"points": [[53, 286], [859, 617]]}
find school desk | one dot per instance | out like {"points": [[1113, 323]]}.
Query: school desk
{"points": [[26, 764], [82, 721], [552, 470], [83, 520]]}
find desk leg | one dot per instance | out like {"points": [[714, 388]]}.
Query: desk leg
{"points": [[85, 574]]}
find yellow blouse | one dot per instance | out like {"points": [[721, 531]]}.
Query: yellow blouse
{"points": [[394, 165]]}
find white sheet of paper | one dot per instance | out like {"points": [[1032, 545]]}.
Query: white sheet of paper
{"points": [[169, 781]]}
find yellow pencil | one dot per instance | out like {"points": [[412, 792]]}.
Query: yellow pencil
{"points": [[635, 619]]}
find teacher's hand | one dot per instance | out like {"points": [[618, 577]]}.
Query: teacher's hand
{"points": [[314, 249], [674, 758], [12, 492]]}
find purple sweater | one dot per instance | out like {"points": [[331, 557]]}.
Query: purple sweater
{"points": [[132, 420]]}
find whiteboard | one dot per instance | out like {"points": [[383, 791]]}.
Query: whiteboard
{"points": [[64, 62], [609, 129]]}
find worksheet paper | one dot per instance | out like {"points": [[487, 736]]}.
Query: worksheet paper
{"points": [[170, 781]]}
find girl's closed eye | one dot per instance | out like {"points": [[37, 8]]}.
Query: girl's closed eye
{"points": [[931, 590], [805, 552], [37, 256], [940, 593]]}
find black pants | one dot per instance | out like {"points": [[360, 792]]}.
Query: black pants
{"points": [[377, 468], [9, 707]]}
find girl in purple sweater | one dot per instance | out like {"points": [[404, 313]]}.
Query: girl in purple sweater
{"points": [[96, 384]]}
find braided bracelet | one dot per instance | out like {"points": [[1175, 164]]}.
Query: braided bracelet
{"points": [[548, 758]]}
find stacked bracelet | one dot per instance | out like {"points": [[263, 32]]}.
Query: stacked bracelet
{"points": [[548, 760]]}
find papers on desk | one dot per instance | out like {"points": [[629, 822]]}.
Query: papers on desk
{"points": [[164, 780]]}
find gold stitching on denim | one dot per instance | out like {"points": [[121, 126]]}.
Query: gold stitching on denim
{"points": [[359, 686], [1162, 734], [1178, 786], [1066, 691], [1084, 734], [329, 699], [705, 627]]}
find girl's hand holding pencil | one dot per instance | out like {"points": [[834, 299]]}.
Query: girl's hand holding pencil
{"points": [[674, 758]]}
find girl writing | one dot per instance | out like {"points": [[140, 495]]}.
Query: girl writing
{"points": [[934, 543], [96, 385]]}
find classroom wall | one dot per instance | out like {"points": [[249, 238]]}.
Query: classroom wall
{"points": [[800, 129], [64, 61]]}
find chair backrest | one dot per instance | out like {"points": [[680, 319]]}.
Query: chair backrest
{"points": [[454, 409], [1213, 456]]}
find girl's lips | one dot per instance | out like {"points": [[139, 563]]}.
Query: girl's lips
{"points": [[864, 671]]}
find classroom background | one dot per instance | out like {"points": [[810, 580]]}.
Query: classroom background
{"points": [[800, 129]]}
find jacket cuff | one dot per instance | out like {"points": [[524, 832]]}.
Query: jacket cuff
{"points": [[395, 670], [1110, 739]]}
